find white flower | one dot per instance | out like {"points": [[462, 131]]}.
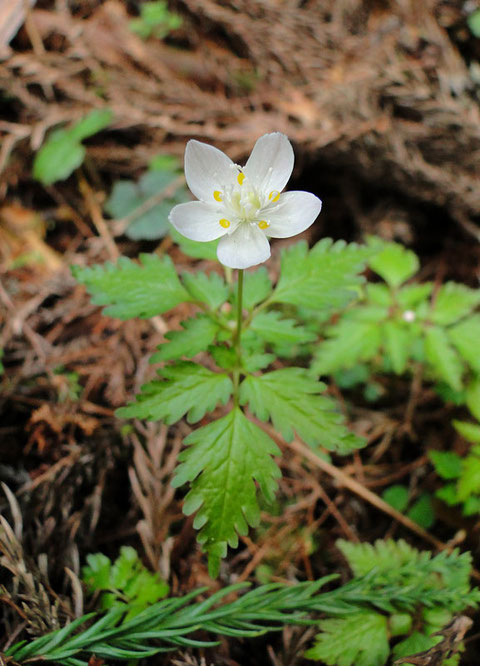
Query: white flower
{"points": [[243, 205]]}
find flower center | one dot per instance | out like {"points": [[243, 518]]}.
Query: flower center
{"points": [[242, 203]]}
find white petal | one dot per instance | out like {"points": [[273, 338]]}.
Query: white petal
{"points": [[207, 169], [294, 213], [197, 220], [271, 163], [246, 246]]}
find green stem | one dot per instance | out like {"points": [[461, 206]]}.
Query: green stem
{"points": [[237, 337]]}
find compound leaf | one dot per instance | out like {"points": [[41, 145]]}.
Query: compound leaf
{"points": [[471, 431], [447, 464], [292, 400], [454, 301], [469, 482], [185, 388], [197, 334], [256, 287], [271, 327], [324, 277], [359, 639], [350, 343], [394, 263], [58, 158], [194, 249], [210, 289], [443, 357], [473, 398], [222, 462], [132, 289], [465, 337], [148, 222], [397, 344], [91, 124], [383, 556], [62, 152], [411, 295]]}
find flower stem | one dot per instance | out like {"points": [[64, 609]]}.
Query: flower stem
{"points": [[237, 337]]}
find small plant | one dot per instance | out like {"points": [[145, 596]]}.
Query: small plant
{"points": [[63, 151], [239, 329], [394, 588], [396, 324], [125, 583], [368, 637], [421, 510], [462, 473], [155, 20], [145, 205]]}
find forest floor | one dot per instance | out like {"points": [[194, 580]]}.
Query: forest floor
{"points": [[386, 132]]}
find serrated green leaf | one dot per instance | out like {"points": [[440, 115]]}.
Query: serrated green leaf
{"points": [[471, 431], [257, 286], [393, 262], [222, 462], [324, 277], [447, 464], [58, 158], [97, 574], [415, 643], [224, 357], [469, 482], [197, 334], [132, 289], [124, 567], [132, 587], [271, 327], [127, 197], [351, 342], [253, 361], [397, 339], [292, 400], [396, 496], [210, 289], [473, 397], [379, 294], [422, 511], [381, 556], [465, 337], [412, 295], [194, 249], [453, 302], [443, 357], [359, 639], [186, 388]]}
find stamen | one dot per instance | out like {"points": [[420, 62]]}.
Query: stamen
{"points": [[274, 196], [263, 224], [224, 223], [217, 195], [240, 178]]}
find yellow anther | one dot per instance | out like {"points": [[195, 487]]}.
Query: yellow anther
{"points": [[224, 223], [217, 195], [274, 196], [240, 178], [263, 224]]}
